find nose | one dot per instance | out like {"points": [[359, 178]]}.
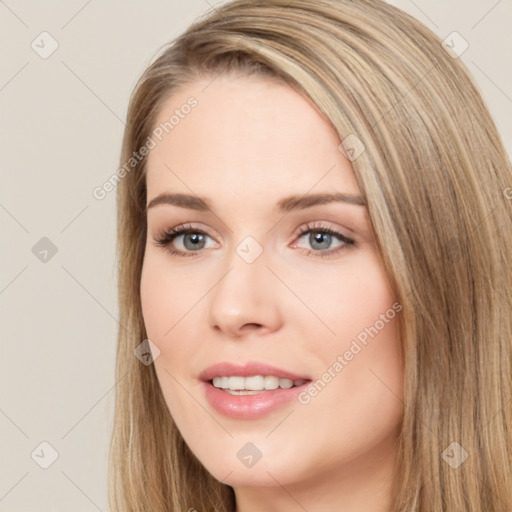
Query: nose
{"points": [[245, 299]]}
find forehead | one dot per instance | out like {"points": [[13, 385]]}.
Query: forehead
{"points": [[245, 136]]}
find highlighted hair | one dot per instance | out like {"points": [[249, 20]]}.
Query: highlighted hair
{"points": [[434, 174]]}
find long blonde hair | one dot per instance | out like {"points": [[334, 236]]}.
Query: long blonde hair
{"points": [[435, 177]]}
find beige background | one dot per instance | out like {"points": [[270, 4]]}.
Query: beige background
{"points": [[61, 127]]}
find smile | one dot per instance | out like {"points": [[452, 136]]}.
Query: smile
{"points": [[252, 385], [250, 391]]}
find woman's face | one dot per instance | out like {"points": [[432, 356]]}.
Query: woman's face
{"points": [[272, 285]]}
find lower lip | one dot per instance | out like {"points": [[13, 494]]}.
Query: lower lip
{"points": [[249, 407]]}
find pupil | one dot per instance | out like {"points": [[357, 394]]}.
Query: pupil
{"points": [[195, 239], [320, 238]]}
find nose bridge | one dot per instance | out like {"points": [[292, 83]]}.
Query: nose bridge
{"points": [[244, 294]]}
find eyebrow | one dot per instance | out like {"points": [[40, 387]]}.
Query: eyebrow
{"points": [[285, 205]]}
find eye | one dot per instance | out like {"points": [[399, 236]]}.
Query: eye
{"points": [[321, 239], [189, 239], [185, 240]]}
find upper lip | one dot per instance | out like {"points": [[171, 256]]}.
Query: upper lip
{"points": [[227, 369]]}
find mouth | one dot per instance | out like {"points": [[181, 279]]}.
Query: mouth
{"points": [[250, 391]]}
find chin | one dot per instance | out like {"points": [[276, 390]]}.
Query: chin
{"points": [[251, 460]]}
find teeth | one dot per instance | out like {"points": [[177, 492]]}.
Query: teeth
{"points": [[271, 382], [254, 383], [236, 383], [285, 383]]}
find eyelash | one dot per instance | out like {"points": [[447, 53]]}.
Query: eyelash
{"points": [[165, 238]]}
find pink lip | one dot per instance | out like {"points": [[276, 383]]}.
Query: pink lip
{"points": [[249, 406]]}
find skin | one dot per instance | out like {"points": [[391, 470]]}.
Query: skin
{"points": [[249, 143]]}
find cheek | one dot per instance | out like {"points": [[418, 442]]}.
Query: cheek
{"points": [[349, 301], [173, 308], [166, 295], [156, 301], [361, 358], [166, 299]]}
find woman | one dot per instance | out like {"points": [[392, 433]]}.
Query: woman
{"points": [[314, 233]]}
